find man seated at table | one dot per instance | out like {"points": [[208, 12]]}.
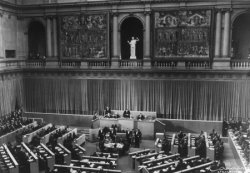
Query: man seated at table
{"points": [[108, 115], [107, 110], [126, 114], [140, 117]]}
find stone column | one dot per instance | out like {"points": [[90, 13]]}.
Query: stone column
{"points": [[1, 36], [223, 61], [226, 35], [115, 55], [115, 35], [48, 35], [147, 36], [55, 53], [217, 52]]}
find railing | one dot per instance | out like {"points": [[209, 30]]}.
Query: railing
{"points": [[35, 63], [164, 63], [197, 64], [70, 63], [240, 64], [99, 63], [159, 64], [130, 63]]}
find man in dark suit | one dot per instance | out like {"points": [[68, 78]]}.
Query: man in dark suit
{"points": [[107, 110], [137, 138], [101, 134], [126, 114], [140, 117]]}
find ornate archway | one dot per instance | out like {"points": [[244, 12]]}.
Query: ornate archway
{"points": [[36, 39], [131, 27], [240, 36]]}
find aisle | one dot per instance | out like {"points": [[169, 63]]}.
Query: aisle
{"points": [[229, 157]]}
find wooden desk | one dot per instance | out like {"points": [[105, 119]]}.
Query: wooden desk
{"points": [[67, 155], [147, 128], [196, 167], [161, 159], [33, 161], [162, 166], [174, 147], [140, 159], [238, 156], [99, 158], [66, 135], [191, 144], [14, 168], [209, 147], [45, 139], [80, 140], [28, 137], [9, 137], [134, 114], [133, 156], [50, 158]]}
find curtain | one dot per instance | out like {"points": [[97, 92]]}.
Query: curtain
{"points": [[11, 95], [176, 99]]}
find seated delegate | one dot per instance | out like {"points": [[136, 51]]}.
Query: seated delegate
{"points": [[107, 110], [126, 114], [140, 117]]}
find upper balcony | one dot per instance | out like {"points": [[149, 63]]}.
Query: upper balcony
{"points": [[124, 65], [56, 2]]}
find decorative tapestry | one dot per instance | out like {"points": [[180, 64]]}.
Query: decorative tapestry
{"points": [[182, 33], [83, 36]]}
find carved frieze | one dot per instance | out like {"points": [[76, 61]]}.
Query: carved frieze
{"points": [[182, 33], [84, 36]]}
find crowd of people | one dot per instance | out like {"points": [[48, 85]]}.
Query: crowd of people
{"points": [[182, 144], [68, 143], [238, 124], [12, 121], [109, 135], [218, 145], [59, 133], [36, 139], [242, 136], [107, 113], [21, 157]]}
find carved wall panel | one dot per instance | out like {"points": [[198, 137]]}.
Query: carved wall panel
{"points": [[84, 36], [182, 33]]}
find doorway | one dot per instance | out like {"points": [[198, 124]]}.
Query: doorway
{"points": [[36, 39]]}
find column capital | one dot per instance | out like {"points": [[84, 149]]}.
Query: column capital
{"points": [[114, 14], [217, 10], [147, 13], [226, 10], [48, 17]]}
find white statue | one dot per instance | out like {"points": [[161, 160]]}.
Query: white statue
{"points": [[132, 47]]}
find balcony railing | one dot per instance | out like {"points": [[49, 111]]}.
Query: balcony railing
{"points": [[70, 63], [197, 64], [35, 63], [105, 63], [131, 63], [161, 64], [164, 64], [240, 64]]}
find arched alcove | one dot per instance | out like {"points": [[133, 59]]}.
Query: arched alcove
{"points": [[36, 39], [131, 27], [240, 36]]}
